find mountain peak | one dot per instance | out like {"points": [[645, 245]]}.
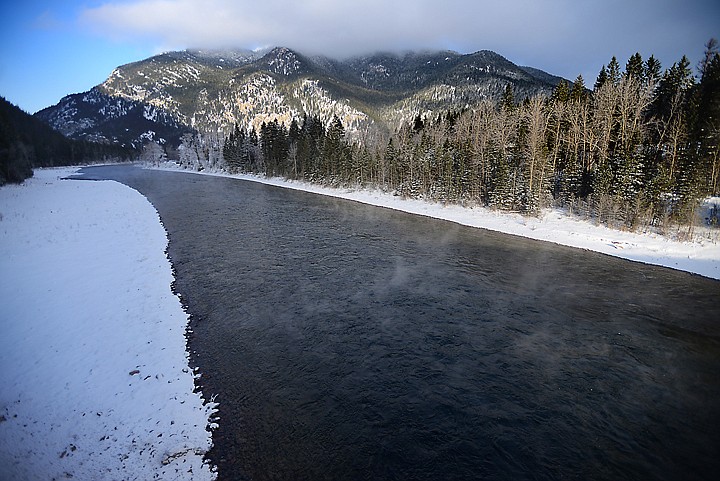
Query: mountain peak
{"points": [[284, 61]]}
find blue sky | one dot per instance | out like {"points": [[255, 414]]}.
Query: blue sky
{"points": [[49, 49], [45, 55]]}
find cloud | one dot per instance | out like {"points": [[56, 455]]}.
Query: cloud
{"points": [[570, 34], [332, 26]]}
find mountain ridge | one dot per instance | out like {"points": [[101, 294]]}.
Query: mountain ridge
{"points": [[168, 95]]}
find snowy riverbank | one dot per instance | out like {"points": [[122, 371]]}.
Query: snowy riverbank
{"points": [[700, 257], [95, 378]]}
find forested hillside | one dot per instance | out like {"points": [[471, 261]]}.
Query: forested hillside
{"points": [[640, 148], [26, 143]]}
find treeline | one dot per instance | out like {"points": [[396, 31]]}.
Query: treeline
{"points": [[309, 151], [641, 147], [27, 143]]}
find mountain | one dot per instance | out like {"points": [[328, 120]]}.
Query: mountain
{"points": [[169, 95], [97, 116]]}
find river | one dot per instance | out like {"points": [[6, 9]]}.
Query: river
{"points": [[351, 342]]}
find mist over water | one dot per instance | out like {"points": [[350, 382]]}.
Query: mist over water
{"points": [[346, 341]]}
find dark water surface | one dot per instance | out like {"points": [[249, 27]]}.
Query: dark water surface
{"points": [[349, 342]]}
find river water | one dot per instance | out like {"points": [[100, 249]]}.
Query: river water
{"points": [[350, 342]]}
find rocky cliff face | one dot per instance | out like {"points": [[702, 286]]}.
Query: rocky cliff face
{"points": [[163, 97]]}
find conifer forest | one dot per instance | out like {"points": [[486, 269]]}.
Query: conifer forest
{"points": [[638, 148]]}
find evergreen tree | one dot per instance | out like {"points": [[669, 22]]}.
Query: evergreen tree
{"points": [[601, 79], [500, 184], [294, 134], [578, 91], [312, 137], [232, 150], [336, 153], [390, 171], [274, 145], [652, 71], [613, 71], [507, 102], [253, 152], [711, 50], [706, 128], [561, 93], [418, 124], [675, 83], [635, 67]]}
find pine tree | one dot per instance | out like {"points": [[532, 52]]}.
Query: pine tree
{"points": [[389, 172], [711, 50], [294, 134], [602, 78], [561, 93], [312, 137], [635, 67], [652, 71], [706, 129], [613, 71], [336, 153], [230, 153], [578, 91], [253, 153], [675, 82], [507, 101], [673, 112]]}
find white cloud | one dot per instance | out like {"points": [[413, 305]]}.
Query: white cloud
{"points": [[337, 27], [570, 34]]}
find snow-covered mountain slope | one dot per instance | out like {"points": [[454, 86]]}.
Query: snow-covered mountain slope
{"points": [[162, 97], [99, 117]]}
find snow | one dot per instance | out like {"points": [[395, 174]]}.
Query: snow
{"points": [[95, 377], [699, 256]]}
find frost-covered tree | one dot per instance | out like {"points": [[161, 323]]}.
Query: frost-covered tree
{"points": [[153, 153], [188, 153]]}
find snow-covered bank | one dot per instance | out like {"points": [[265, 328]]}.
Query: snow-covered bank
{"points": [[701, 256], [94, 381]]}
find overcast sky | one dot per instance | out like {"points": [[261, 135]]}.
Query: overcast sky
{"points": [[49, 49]]}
